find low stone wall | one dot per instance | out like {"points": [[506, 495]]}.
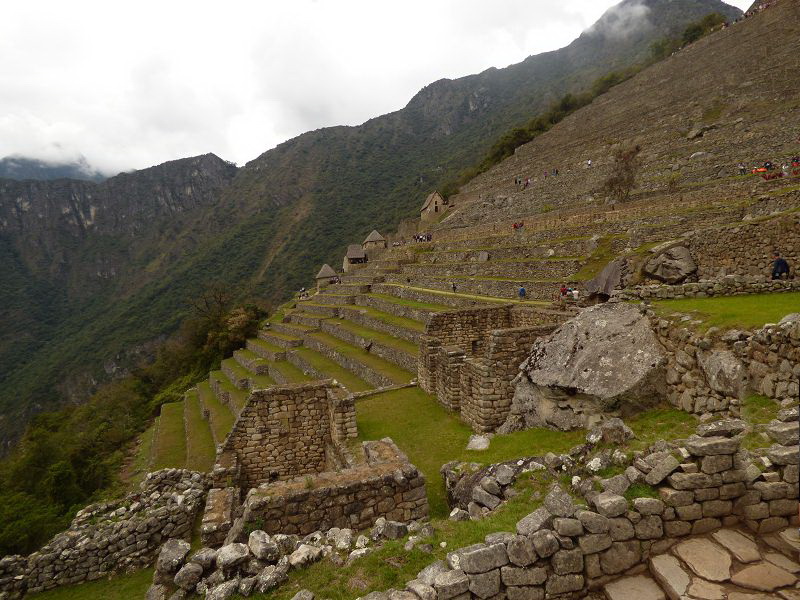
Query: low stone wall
{"points": [[393, 308], [107, 538], [565, 549], [712, 372], [362, 318], [357, 367], [285, 431], [535, 290], [732, 285], [403, 359], [386, 484], [532, 269]]}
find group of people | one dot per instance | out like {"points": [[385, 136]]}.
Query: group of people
{"points": [[423, 237], [517, 226], [567, 293], [524, 182], [769, 170]]}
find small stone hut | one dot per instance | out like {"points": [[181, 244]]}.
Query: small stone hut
{"points": [[325, 276], [355, 256], [374, 241], [434, 204]]}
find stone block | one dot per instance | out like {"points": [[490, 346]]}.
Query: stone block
{"points": [[568, 527], [485, 585], [620, 557], [649, 528], [481, 558], [516, 576], [594, 542], [593, 522], [620, 529], [610, 505]]}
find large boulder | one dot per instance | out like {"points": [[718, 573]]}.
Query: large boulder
{"points": [[724, 372], [672, 266], [604, 362]]}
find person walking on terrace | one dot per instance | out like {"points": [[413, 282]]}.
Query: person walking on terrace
{"points": [[780, 268], [522, 292]]}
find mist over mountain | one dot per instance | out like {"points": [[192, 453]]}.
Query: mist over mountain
{"points": [[21, 167]]}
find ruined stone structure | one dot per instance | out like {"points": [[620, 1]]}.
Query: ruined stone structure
{"points": [[569, 549], [433, 205], [374, 241], [469, 357], [111, 537], [382, 483]]}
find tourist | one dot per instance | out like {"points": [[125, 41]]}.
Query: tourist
{"points": [[453, 286], [563, 291], [575, 294], [527, 183], [780, 268], [522, 293], [742, 169], [589, 163]]}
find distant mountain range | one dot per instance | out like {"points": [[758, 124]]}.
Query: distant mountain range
{"points": [[20, 167], [93, 272]]}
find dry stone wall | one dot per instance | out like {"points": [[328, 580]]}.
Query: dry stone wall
{"points": [[712, 372], [285, 431], [107, 538], [386, 485], [729, 285], [567, 548]]}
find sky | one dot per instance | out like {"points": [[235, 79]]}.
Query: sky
{"points": [[133, 85]]}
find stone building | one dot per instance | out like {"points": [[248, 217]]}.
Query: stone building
{"points": [[374, 241], [355, 255], [325, 275], [434, 204]]}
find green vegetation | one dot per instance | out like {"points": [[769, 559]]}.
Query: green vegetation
{"points": [[130, 586], [327, 367], [640, 490], [624, 172], [220, 416], [170, 440], [758, 410], [729, 312], [693, 32], [391, 319], [290, 372], [432, 436], [660, 424], [376, 363], [602, 255], [72, 457], [412, 303], [200, 450], [378, 336]]}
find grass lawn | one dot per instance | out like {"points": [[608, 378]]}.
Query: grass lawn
{"points": [[129, 586], [730, 312], [660, 424], [331, 369], [292, 373], [220, 417], [238, 396], [390, 370], [759, 410], [170, 440], [200, 450], [411, 303], [431, 436]]}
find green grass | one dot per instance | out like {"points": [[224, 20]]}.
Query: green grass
{"points": [[200, 450], [121, 587], [140, 465], [483, 299], [292, 373], [758, 410], [238, 396], [220, 416], [431, 436], [378, 336], [266, 345], [602, 255], [281, 336], [729, 312], [170, 439], [390, 319], [376, 363], [660, 424], [333, 370], [238, 370], [640, 490], [411, 303]]}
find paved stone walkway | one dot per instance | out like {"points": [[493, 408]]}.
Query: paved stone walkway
{"points": [[729, 564]]}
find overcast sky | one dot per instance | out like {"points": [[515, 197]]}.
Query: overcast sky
{"points": [[130, 85]]}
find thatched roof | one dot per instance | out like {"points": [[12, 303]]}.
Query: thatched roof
{"points": [[431, 198], [355, 251], [374, 237], [326, 272]]}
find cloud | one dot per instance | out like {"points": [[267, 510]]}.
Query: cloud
{"points": [[129, 86], [623, 20]]}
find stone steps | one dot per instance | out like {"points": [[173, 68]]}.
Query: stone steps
{"points": [[323, 310], [226, 392], [279, 339], [375, 370], [319, 366], [415, 292], [400, 352], [290, 329], [220, 417], [334, 299], [266, 350], [285, 371], [251, 361], [365, 279], [510, 269], [401, 327], [577, 247], [307, 319], [487, 290], [400, 307]]}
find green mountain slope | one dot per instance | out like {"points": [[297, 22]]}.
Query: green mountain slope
{"points": [[96, 271]]}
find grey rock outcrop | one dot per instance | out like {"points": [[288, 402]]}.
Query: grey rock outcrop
{"points": [[672, 266], [574, 376]]}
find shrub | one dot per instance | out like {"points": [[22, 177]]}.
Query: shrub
{"points": [[625, 170]]}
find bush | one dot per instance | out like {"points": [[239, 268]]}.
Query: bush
{"points": [[622, 180]]}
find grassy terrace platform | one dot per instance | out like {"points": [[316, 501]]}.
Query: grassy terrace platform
{"points": [[258, 381], [412, 303], [220, 416], [200, 450], [238, 396], [329, 368], [730, 312], [265, 345], [390, 319], [376, 363], [378, 336], [170, 440], [291, 372], [484, 299]]}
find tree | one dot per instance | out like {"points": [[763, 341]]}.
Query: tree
{"points": [[622, 180]]}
